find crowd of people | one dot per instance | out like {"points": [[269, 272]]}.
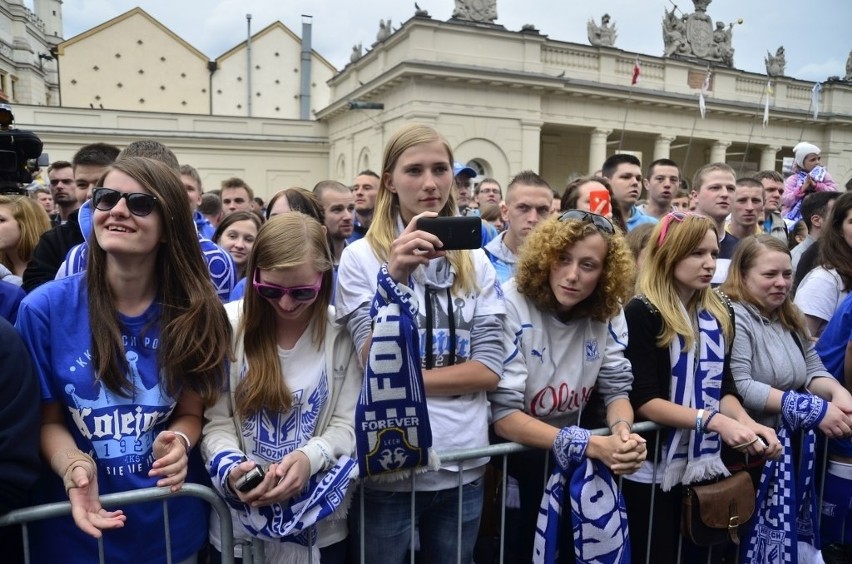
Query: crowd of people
{"points": [[166, 334]]}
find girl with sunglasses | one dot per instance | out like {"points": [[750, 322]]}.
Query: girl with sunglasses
{"points": [[458, 323], [128, 354], [565, 336], [680, 335], [293, 389]]}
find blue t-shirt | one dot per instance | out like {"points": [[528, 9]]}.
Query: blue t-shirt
{"points": [[10, 299], [118, 432], [638, 217], [831, 349]]}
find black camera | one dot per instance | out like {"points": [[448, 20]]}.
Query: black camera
{"points": [[250, 480], [17, 148]]}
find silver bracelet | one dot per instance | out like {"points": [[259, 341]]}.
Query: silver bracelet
{"points": [[185, 438], [625, 421]]}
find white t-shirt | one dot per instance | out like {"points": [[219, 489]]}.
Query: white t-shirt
{"points": [[458, 422], [820, 293]]}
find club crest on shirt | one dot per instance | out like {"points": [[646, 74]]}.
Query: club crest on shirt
{"points": [[591, 348]]}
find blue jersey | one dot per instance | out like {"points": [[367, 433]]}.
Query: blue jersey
{"points": [[831, 349], [117, 431]]}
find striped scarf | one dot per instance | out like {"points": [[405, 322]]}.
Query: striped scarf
{"points": [[696, 382], [294, 519], [598, 514], [786, 496]]}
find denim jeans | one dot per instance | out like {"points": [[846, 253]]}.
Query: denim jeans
{"points": [[387, 524]]}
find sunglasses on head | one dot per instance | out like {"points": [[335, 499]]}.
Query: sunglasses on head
{"points": [[138, 203], [667, 220], [599, 221], [275, 292]]}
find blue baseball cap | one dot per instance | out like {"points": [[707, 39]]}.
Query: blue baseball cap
{"points": [[459, 168]]}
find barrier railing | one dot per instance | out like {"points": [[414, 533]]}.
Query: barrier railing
{"points": [[253, 552], [29, 514]]}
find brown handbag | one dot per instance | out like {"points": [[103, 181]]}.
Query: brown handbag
{"points": [[713, 513]]}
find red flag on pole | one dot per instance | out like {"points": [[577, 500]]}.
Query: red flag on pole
{"points": [[636, 71]]}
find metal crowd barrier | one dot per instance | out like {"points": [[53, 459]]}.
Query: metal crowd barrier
{"points": [[29, 514], [504, 449], [253, 552]]}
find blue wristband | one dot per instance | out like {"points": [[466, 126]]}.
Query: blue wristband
{"points": [[802, 411], [570, 445]]}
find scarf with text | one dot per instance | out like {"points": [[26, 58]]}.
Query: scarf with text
{"points": [[598, 514], [785, 495], [696, 382], [392, 428]]}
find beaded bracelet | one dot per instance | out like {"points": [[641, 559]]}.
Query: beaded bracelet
{"points": [[698, 423], [706, 427]]}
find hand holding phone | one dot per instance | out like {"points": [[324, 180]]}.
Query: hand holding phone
{"points": [[455, 232], [250, 480]]}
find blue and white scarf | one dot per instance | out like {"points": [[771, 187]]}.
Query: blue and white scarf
{"points": [[392, 430], [293, 520], [696, 382], [785, 496], [598, 514]]}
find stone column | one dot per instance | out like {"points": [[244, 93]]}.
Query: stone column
{"points": [[597, 149], [662, 148], [718, 151], [767, 157], [531, 144]]}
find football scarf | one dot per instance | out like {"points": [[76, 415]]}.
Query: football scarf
{"points": [[392, 428]]}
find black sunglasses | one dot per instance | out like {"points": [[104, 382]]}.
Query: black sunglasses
{"points": [[138, 203], [599, 221]]}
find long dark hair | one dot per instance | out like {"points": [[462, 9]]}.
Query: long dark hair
{"points": [[834, 251], [195, 334]]}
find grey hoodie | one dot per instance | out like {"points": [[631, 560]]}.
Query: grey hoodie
{"points": [[766, 355]]}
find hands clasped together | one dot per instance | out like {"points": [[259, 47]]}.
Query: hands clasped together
{"points": [[623, 452]]}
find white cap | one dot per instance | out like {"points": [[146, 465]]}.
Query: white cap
{"points": [[804, 149]]}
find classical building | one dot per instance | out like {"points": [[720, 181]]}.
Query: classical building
{"points": [[514, 100], [28, 72], [506, 100]]}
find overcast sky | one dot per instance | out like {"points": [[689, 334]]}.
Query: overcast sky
{"points": [[816, 34]]}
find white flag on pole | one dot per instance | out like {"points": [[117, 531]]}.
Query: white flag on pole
{"points": [[704, 89], [768, 94], [815, 98]]}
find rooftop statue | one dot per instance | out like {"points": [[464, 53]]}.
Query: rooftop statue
{"points": [[384, 30], [603, 34], [357, 52], [483, 11], [848, 76], [775, 65], [692, 35]]}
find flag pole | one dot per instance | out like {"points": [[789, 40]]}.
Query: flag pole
{"points": [[705, 88], [760, 105], [813, 105], [689, 144], [633, 81]]}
